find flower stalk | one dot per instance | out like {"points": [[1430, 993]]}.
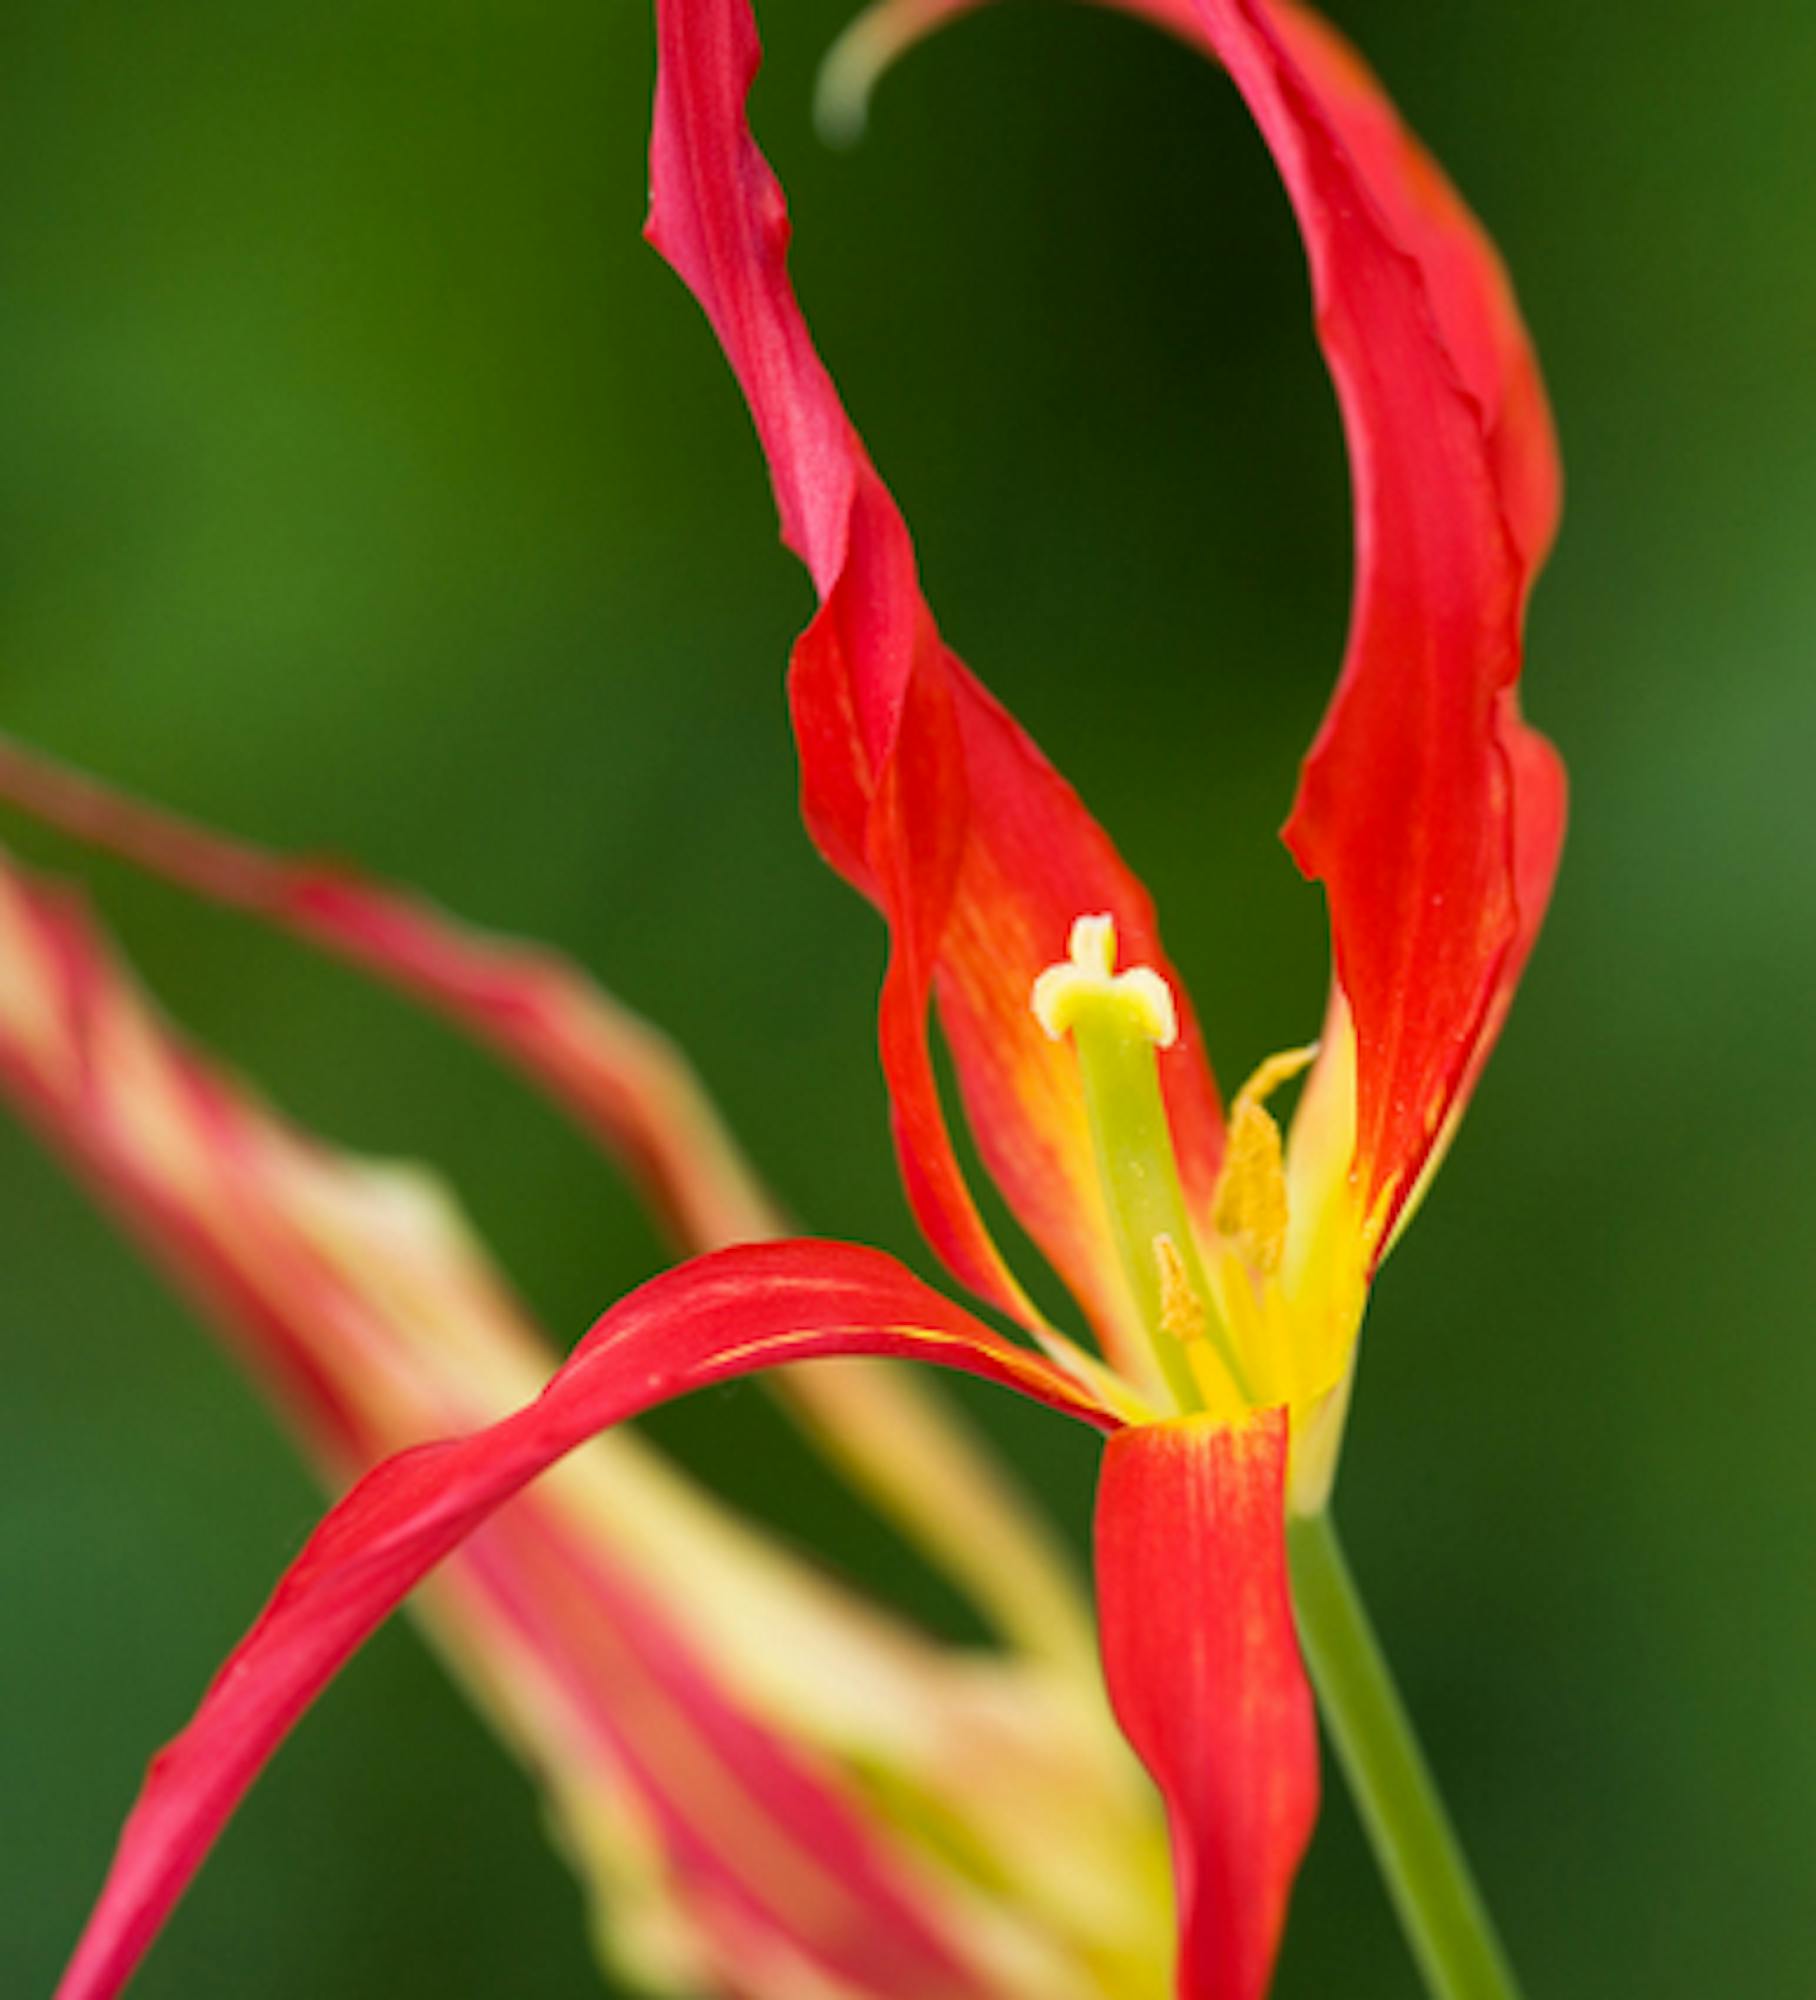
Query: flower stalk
{"points": [[1441, 1912]]}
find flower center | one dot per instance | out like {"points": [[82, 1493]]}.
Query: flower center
{"points": [[1119, 1022]]}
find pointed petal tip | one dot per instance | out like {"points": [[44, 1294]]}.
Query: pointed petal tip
{"points": [[843, 87], [862, 54]]}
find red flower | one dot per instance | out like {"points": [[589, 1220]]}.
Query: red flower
{"points": [[1221, 1267]]}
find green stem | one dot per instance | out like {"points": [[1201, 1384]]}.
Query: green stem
{"points": [[1440, 1909]]}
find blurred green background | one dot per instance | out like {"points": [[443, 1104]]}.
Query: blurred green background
{"points": [[369, 487]]}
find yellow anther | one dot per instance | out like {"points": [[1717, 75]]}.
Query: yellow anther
{"points": [[1250, 1207], [1087, 980], [1182, 1311]]}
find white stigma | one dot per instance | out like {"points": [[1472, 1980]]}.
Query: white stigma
{"points": [[1087, 976]]}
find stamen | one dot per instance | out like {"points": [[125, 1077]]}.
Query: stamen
{"points": [[1118, 1022], [1250, 1206]]}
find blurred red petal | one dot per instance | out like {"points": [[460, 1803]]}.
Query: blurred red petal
{"points": [[778, 1863], [709, 1321], [618, 1077], [917, 786], [1202, 1659]]}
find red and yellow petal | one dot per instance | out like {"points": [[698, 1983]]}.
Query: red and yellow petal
{"points": [[710, 1321], [1202, 1660], [915, 784], [777, 1867]]}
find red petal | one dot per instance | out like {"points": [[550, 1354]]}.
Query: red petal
{"points": [[1539, 800], [915, 784], [709, 1321], [1418, 807], [1202, 1660], [1464, 280]]}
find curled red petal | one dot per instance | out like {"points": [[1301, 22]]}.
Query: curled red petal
{"points": [[916, 785], [1202, 1660], [1464, 280], [709, 1321], [1426, 805]]}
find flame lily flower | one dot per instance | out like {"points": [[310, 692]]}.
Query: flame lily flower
{"points": [[1221, 1265]]}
